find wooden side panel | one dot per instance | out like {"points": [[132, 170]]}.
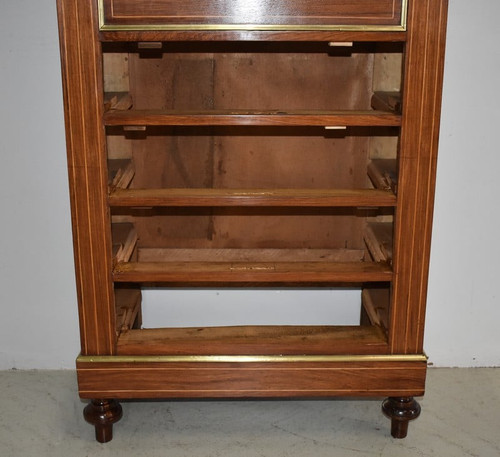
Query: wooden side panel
{"points": [[418, 153], [217, 380], [82, 82], [249, 340]]}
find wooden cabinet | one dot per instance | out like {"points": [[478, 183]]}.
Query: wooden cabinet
{"points": [[252, 144]]}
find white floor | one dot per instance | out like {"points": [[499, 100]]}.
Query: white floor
{"points": [[41, 415]]}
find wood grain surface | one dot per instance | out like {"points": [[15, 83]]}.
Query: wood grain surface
{"points": [[328, 12]]}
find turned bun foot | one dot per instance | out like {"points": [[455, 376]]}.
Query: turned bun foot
{"points": [[103, 414], [401, 410]]}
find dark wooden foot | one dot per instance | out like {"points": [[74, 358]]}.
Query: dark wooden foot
{"points": [[103, 414], [400, 410]]}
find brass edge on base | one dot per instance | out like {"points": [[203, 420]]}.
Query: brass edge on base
{"points": [[103, 27], [251, 358]]}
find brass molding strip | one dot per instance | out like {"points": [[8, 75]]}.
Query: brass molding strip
{"points": [[103, 27], [251, 358], [404, 14]]}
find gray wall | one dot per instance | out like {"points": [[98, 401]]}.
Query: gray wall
{"points": [[38, 318]]}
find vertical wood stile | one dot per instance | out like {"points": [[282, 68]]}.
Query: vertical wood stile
{"points": [[82, 85], [418, 153]]}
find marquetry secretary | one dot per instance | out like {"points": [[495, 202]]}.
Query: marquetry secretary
{"points": [[252, 144]]}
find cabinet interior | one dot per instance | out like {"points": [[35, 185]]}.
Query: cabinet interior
{"points": [[217, 165]]}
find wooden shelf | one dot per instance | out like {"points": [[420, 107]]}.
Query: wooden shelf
{"points": [[378, 239], [383, 174], [252, 197], [250, 265], [249, 255], [257, 272], [252, 340], [252, 118]]}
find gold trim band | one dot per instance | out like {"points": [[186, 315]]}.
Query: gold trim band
{"points": [[103, 27], [250, 28], [251, 358]]}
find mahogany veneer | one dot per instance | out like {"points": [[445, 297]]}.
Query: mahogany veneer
{"points": [[250, 118], [279, 12]]}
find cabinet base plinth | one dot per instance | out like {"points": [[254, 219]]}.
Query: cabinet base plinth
{"points": [[147, 379]]}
